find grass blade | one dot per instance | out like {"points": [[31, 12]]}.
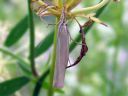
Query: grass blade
{"points": [[17, 32], [22, 63], [11, 86], [44, 44], [39, 83], [14, 56]]}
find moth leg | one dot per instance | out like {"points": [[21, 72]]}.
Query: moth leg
{"points": [[84, 48], [69, 62], [40, 7], [37, 5], [42, 10], [74, 40], [71, 36]]}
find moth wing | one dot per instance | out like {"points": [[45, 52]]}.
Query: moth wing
{"points": [[62, 56]]}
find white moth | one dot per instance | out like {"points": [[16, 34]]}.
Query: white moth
{"points": [[62, 52]]}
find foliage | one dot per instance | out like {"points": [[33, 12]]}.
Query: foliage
{"points": [[103, 71]]}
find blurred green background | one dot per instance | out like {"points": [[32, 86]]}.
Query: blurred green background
{"points": [[102, 72]]}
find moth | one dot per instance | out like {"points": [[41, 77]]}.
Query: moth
{"points": [[63, 9], [62, 51]]}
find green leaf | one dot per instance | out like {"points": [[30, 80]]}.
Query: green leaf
{"points": [[39, 83], [60, 91], [14, 56], [17, 32], [22, 63], [11, 86], [25, 69], [44, 44], [57, 90]]}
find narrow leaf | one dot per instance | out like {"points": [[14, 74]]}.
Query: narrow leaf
{"points": [[22, 63], [57, 90], [44, 44], [11, 86], [17, 32], [25, 69], [14, 56], [39, 83]]}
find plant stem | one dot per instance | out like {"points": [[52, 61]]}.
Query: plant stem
{"points": [[32, 39], [9, 53], [51, 89]]}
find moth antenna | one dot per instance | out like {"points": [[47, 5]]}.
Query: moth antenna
{"points": [[43, 21], [71, 36], [78, 22], [84, 48], [50, 25]]}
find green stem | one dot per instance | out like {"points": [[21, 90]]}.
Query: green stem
{"points": [[6, 51], [51, 89], [32, 39]]}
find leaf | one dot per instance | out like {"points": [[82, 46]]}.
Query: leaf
{"points": [[25, 69], [60, 91], [57, 90], [44, 44], [11, 86], [14, 56], [17, 32], [39, 83], [22, 63]]}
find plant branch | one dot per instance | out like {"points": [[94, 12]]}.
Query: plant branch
{"points": [[51, 90], [32, 39]]}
